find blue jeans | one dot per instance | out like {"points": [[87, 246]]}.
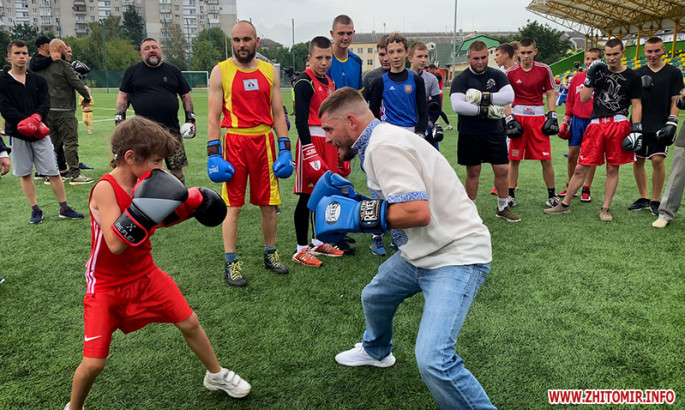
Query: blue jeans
{"points": [[448, 293]]}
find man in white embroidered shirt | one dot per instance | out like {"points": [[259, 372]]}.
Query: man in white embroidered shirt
{"points": [[444, 247]]}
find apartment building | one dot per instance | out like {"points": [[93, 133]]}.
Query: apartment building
{"points": [[71, 18]]}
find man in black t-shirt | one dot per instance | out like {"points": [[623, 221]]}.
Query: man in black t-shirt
{"points": [[151, 87], [479, 95], [610, 136], [661, 85]]}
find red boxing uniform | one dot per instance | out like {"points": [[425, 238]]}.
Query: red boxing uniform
{"points": [[249, 144], [125, 291], [573, 104], [328, 153], [529, 88]]}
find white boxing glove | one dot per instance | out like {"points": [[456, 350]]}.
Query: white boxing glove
{"points": [[473, 96], [188, 130], [495, 112]]}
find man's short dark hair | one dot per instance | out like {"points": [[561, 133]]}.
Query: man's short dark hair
{"points": [[145, 40], [654, 40], [42, 40], [432, 66], [396, 38], [527, 42], [15, 43], [319, 42], [477, 46], [381, 41], [507, 49], [343, 19], [596, 50], [613, 43]]}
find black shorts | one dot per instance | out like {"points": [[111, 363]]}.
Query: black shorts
{"points": [[476, 149], [651, 147]]}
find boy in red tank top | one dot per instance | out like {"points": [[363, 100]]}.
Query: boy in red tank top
{"points": [[125, 289]]}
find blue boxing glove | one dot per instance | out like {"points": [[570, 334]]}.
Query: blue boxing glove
{"points": [[336, 215], [332, 184], [218, 169], [283, 166]]}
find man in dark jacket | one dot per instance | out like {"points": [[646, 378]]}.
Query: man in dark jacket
{"points": [[62, 81], [24, 103]]}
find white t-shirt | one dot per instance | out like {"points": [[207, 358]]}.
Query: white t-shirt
{"points": [[402, 167]]}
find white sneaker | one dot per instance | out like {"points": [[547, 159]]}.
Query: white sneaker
{"points": [[229, 382], [67, 407], [359, 357], [660, 223]]}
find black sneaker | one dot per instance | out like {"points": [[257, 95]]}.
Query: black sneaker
{"points": [[640, 204], [36, 217], [344, 246], [233, 274], [654, 205], [70, 214], [348, 239], [273, 263]]}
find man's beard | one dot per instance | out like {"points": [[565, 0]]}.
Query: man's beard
{"points": [[157, 61], [348, 153], [245, 60]]}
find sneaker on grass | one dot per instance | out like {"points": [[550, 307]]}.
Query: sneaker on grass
{"points": [[344, 246], [640, 204], [494, 191], [326, 250], [654, 206], [585, 194], [36, 217], [228, 382], [359, 357], [2, 280], [558, 209], [70, 214], [81, 165], [80, 180], [507, 215], [660, 223], [306, 258], [377, 246], [553, 201], [605, 216], [233, 274], [511, 201], [273, 263]]}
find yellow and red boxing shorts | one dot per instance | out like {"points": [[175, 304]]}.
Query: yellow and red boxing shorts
{"points": [[603, 138], [252, 153], [533, 144]]}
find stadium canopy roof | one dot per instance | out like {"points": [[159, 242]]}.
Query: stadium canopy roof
{"points": [[617, 18]]}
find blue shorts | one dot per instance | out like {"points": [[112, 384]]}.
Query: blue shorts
{"points": [[578, 126]]}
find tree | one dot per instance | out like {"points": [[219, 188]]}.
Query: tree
{"points": [[121, 54], [552, 44], [5, 39], [134, 25], [175, 46], [201, 46]]}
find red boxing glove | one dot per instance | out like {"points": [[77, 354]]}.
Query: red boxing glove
{"points": [[314, 167], [43, 129], [344, 168], [565, 129], [33, 127]]}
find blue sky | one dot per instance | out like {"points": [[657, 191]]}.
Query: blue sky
{"points": [[312, 18]]}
